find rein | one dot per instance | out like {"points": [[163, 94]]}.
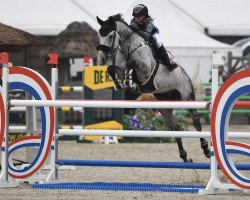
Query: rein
{"points": [[109, 52], [129, 53]]}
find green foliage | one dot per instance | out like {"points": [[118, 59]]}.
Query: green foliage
{"points": [[147, 119]]}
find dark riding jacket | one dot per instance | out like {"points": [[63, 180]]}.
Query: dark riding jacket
{"points": [[145, 29]]}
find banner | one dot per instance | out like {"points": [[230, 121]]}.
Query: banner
{"points": [[97, 77]]}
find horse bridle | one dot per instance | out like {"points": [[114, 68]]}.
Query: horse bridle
{"points": [[109, 52]]}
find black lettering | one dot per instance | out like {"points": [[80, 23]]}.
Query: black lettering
{"points": [[101, 77], [96, 77]]}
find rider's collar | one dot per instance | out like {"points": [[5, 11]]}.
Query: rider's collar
{"points": [[143, 21]]}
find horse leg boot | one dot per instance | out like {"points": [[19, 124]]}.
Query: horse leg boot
{"points": [[112, 72], [128, 79], [163, 55], [197, 125]]}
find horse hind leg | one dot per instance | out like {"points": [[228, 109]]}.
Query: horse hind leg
{"points": [[171, 124], [198, 127], [182, 152]]}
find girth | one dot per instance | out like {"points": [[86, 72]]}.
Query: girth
{"points": [[149, 86]]}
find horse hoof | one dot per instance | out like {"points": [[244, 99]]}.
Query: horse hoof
{"points": [[207, 153], [189, 160]]}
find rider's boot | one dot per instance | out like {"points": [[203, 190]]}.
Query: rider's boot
{"points": [[163, 54]]}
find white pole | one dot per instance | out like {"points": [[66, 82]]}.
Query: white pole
{"points": [[215, 83], [134, 133], [17, 109], [213, 184], [113, 104], [17, 129], [53, 175], [34, 116], [4, 149], [5, 182]]}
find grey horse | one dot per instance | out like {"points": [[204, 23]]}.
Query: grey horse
{"points": [[128, 52]]}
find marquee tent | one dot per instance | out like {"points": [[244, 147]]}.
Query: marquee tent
{"points": [[177, 20]]}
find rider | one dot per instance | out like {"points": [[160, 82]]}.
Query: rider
{"points": [[143, 22]]}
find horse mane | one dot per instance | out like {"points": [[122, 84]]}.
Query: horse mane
{"points": [[118, 18]]}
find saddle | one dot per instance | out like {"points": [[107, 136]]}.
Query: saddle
{"points": [[148, 86], [151, 43]]}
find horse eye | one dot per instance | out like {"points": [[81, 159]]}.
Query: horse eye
{"points": [[111, 36]]}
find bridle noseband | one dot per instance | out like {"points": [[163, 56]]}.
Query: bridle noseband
{"points": [[109, 52]]}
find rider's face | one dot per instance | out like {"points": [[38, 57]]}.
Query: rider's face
{"points": [[139, 18]]}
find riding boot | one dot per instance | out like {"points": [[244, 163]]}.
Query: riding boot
{"points": [[163, 55]]}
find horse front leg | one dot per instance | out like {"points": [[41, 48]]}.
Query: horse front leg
{"points": [[112, 72], [128, 79]]}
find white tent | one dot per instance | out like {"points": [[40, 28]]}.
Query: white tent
{"points": [[220, 17], [45, 17], [179, 33]]}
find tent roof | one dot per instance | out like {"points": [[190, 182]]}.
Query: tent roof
{"points": [[44, 17], [175, 31], [77, 40], [48, 17], [13, 40], [220, 17]]}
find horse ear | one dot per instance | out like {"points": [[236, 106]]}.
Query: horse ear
{"points": [[99, 20]]}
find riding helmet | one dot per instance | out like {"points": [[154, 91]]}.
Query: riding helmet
{"points": [[140, 10]]}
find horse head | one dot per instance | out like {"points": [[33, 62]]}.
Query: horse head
{"points": [[109, 40]]}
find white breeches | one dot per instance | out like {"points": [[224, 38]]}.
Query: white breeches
{"points": [[158, 40]]}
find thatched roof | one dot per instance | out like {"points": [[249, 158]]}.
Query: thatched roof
{"points": [[77, 40], [12, 39]]}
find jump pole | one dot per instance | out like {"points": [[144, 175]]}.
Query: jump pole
{"points": [[4, 172], [136, 133], [53, 174], [120, 104], [5, 180], [112, 104]]}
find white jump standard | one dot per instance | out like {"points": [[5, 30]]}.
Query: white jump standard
{"points": [[45, 96]]}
